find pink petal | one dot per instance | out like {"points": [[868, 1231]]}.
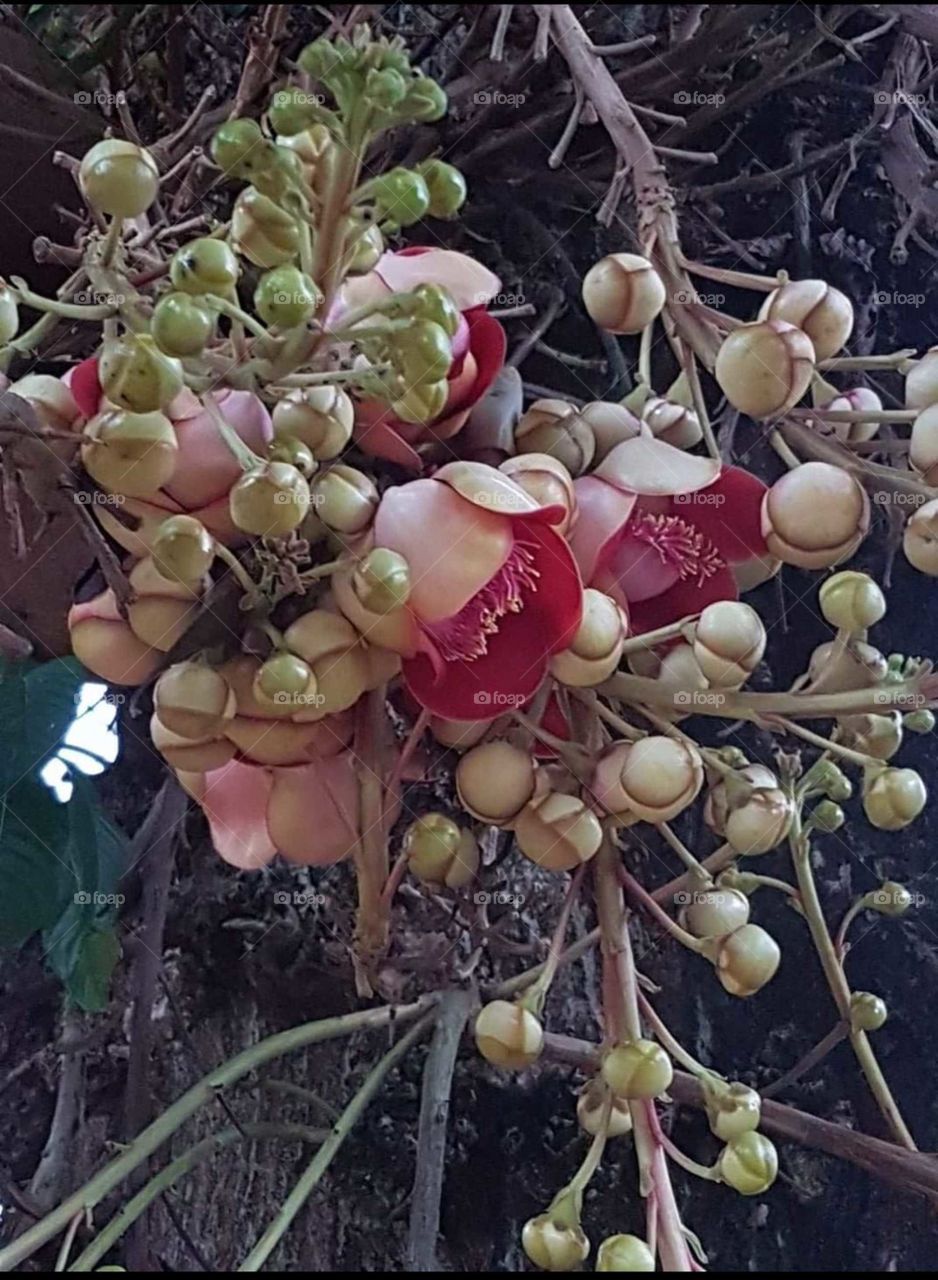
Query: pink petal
{"points": [[467, 282], [82, 381], [639, 570], [729, 513], [313, 811], [206, 468], [602, 511], [681, 600], [649, 466], [235, 802]]}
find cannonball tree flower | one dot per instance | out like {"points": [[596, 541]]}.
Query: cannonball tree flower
{"points": [[661, 531], [478, 347], [495, 590], [205, 467]]}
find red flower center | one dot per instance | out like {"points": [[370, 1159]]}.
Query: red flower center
{"points": [[679, 544], [465, 636]]}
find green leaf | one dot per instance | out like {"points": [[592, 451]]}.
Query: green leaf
{"points": [[37, 705], [84, 958], [37, 876]]}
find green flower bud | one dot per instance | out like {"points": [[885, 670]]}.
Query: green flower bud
{"points": [[136, 375], [183, 549], [508, 1035], [851, 601], [205, 266], [447, 188], [749, 1164], [321, 60], [130, 453], [423, 403], [432, 302], [640, 1069], [828, 816], [732, 1109], [369, 246], [262, 232], [919, 721], [285, 297], [182, 325], [554, 1246], [890, 899], [441, 852], [832, 780], [624, 1253], [286, 680], [892, 798], [119, 178], [292, 110], [9, 315], [423, 352], [867, 1011], [385, 89], [401, 195], [234, 144], [425, 101], [295, 452], [270, 501], [382, 581], [591, 1107]]}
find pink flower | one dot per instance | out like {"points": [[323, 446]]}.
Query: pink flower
{"points": [[495, 590], [660, 530], [205, 467], [478, 347]]}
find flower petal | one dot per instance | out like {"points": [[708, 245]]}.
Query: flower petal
{"points": [[235, 800], [467, 282], [682, 599], [602, 512], [649, 466], [729, 513], [82, 380], [313, 811], [492, 490], [205, 467]]}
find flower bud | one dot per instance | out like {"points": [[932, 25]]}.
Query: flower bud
{"points": [[879, 736], [859, 400], [401, 196], [760, 822], [591, 1106], [920, 538], [234, 143], [558, 831], [851, 601], [749, 1164], [554, 1246], [508, 1035], [441, 852], [285, 680], [118, 178], [596, 648], [680, 671], [715, 912], [447, 188], [205, 266], [827, 816], [133, 454], [746, 960], [295, 452], [262, 232], [729, 641], [422, 402], [285, 297], [458, 734], [136, 375], [9, 315], [891, 899], [50, 398], [623, 293], [736, 788], [322, 417], [332, 648], [923, 445], [815, 516], [183, 549], [193, 700], [547, 481], [161, 610], [732, 1109], [639, 1069], [671, 422], [892, 798], [610, 424], [344, 499], [555, 428], [382, 580], [921, 382], [765, 368], [423, 352], [182, 325], [495, 781], [819, 310], [857, 666], [919, 721], [867, 1011], [367, 250], [190, 755], [425, 100], [624, 1253], [660, 777], [270, 500]]}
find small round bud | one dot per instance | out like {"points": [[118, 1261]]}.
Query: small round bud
{"points": [[344, 499], [270, 501], [819, 310], [859, 400], [815, 516], [182, 325], [671, 422], [827, 816], [441, 852], [119, 178], [262, 232], [50, 398], [851, 601], [729, 641], [508, 1035], [495, 781], [9, 315], [591, 1106], [892, 798], [401, 196], [332, 647], [322, 417], [919, 721], [235, 143], [447, 188], [639, 1069], [136, 375], [425, 100], [867, 1011], [921, 382], [295, 452], [547, 481], [554, 427], [366, 251], [879, 736], [923, 445], [422, 402], [624, 1253], [832, 780], [891, 899], [746, 960], [284, 680], [715, 912], [596, 648], [749, 1165], [554, 1246], [660, 777], [291, 111], [623, 293], [205, 266], [920, 538], [190, 755], [765, 368], [285, 297], [732, 1109], [183, 549], [736, 789], [130, 453], [558, 831], [382, 580], [193, 700]]}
